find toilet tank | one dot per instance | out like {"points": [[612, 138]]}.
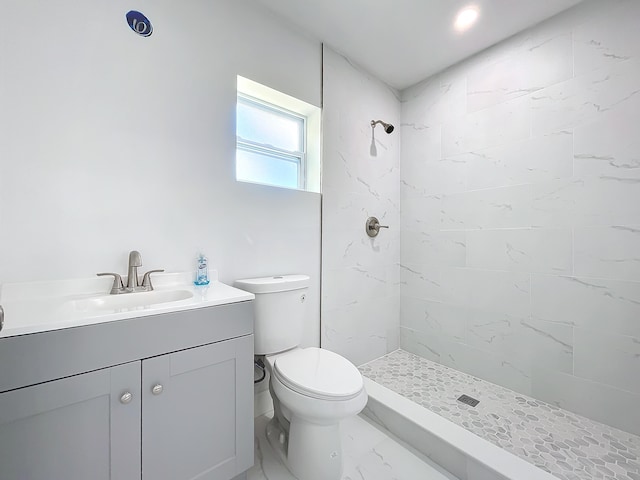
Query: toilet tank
{"points": [[280, 311]]}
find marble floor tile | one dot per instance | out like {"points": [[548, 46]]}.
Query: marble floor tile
{"points": [[370, 453], [569, 446]]}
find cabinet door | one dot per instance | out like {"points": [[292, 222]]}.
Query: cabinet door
{"points": [[198, 422], [75, 428]]}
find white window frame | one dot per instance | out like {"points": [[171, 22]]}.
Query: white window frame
{"points": [[298, 157]]}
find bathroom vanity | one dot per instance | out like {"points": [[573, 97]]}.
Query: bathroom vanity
{"points": [[163, 396]]}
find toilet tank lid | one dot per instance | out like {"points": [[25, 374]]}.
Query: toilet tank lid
{"points": [[278, 283]]}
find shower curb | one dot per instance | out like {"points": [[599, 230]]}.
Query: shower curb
{"points": [[455, 449]]}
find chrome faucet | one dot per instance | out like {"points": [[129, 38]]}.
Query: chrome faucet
{"points": [[133, 283]]}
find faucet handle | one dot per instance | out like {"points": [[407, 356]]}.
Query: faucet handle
{"points": [[118, 285], [146, 280]]}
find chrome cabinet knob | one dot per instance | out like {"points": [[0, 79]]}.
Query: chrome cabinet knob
{"points": [[126, 397], [157, 389]]}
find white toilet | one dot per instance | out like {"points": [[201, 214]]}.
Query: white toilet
{"points": [[312, 389]]}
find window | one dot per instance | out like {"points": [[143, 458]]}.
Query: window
{"points": [[278, 138], [270, 144]]}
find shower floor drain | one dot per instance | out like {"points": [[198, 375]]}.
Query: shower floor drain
{"points": [[467, 400]]}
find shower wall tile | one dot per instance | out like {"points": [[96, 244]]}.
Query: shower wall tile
{"points": [[436, 176], [608, 252], [506, 207], [353, 285], [487, 290], [362, 331], [603, 305], [586, 201], [423, 280], [510, 372], [603, 403], [435, 318], [434, 246], [424, 142], [521, 250], [503, 123], [520, 212], [549, 345], [442, 98], [608, 147], [594, 95], [538, 63], [608, 39], [361, 178], [421, 212], [432, 347], [532, 160], [610, 359]]}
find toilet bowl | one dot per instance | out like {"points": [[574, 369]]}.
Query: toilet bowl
{"points": [[312, 389]]}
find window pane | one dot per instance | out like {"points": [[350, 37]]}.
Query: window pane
{"points": [[263, 168], [260, 124]]}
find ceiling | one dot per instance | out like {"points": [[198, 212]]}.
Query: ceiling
{"points": [[405, 41]]}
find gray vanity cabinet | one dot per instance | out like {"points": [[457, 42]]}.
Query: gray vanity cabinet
{"points": [[197, 412], [80, 403], [73, 428]]}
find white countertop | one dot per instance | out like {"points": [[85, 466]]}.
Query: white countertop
{"points": [[45, 306]]}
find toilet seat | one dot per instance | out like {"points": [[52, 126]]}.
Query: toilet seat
{"points": [[319, 373]]}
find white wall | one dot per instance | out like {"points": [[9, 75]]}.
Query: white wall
{"points": [[111, 142], [521, 214], [361, 178]]}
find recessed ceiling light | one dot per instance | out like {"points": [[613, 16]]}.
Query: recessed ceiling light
{"points": [[466, 18]]}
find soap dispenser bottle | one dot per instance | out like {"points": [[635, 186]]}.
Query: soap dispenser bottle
{"points": [[202, 271]]}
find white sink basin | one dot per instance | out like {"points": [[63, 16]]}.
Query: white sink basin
{"points": [[127, 301], [53, 305]]}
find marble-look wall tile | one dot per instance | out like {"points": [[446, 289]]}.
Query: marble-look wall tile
{"points": [[348, 286], [507, 207], [585, 98], [609, 359], [585, 201], [530, 161], [436, 176], [487, 290], [540, 62], [532, 342], [437, 100], [608, 306], [549, 345], [434, 318], [423, 280], [503, 123], [608, 252], [420, 212], [424, 143], [362, 332], [595, 400], [361, 178], [608, 39], [608, 147], [521, 250], [433, 247], [513, 373]]}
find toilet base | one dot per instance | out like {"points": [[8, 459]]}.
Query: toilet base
{"points": [[310, 451]]}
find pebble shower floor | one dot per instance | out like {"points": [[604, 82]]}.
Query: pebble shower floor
{"points": [[564, 444]]}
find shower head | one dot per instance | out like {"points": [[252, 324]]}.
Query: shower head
{"points": [[387, 126]]}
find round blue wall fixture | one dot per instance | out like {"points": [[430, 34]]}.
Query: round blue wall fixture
{"points": [[139, 23]]}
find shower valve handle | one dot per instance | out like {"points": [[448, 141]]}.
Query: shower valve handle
{"points": [[372, 227]]}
